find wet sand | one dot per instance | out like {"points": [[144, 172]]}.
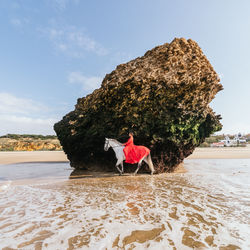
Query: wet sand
{"points": [[205, 208], [59, 156], [45, 204]]}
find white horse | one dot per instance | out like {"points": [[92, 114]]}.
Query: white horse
{"points": [[118, 149]]}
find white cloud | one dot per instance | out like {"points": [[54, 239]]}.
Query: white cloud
{"points": [[19, 23], [16, 22], [20, 115], [87, 83], [73, 41], [15, 5], [62, 4], [10, 104], [12, 124]]}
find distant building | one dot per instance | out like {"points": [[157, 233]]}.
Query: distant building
{"points": [[227, 142]]}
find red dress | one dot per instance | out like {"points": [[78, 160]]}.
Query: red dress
{"points": [[133, 153]]}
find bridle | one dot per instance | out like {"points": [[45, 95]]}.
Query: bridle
{"points": [[107, 145]]}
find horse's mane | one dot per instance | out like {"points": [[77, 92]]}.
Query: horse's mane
{"points": [[114, 140]]}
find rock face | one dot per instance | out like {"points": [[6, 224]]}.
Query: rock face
{"points": [[163, 97]]}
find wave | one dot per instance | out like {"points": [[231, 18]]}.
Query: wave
{"points": [[4, 184]]}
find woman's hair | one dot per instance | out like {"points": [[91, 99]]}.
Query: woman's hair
{"points": [[130, 132]]}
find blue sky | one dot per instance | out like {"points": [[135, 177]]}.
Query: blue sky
{"points": [[55, 51]]}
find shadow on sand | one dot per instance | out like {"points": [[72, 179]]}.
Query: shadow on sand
{"points": [[81, 174]]}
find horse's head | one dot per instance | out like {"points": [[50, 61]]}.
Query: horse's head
{"points": [[107, 144]]}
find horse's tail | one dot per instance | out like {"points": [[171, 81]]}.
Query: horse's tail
{"points": [[150, 163]]}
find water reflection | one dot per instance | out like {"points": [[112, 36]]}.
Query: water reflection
{"points": [[81, 174]]}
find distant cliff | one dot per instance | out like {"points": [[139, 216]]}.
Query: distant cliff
{"points": [[15, 142]]}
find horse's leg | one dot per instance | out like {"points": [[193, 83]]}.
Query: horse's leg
{"points": [[148, 160], [139, 165], [122, 167], [117, 164], [145, 160], [120, 172]]}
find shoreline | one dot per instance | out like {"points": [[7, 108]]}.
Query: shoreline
{"points": [[221, 153], [14, 157]]}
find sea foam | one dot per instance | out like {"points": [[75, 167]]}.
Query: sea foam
{"points": [[202, 208]]}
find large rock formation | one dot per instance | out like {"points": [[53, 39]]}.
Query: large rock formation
{"points": [[163, 97]]}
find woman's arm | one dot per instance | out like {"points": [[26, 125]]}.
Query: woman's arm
{"points": [[130, 140]]}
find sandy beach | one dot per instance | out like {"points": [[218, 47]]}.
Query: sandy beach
{"points": [[59, 156], [221, 153], [32, 156], [204, 204]]}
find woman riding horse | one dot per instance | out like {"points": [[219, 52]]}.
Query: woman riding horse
{"points": [[130, 153], [133, 154]]}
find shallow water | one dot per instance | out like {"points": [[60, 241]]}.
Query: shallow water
{"points": [[206, 208]]}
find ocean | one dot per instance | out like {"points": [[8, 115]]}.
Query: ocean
{"points": [[208, 207]]}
